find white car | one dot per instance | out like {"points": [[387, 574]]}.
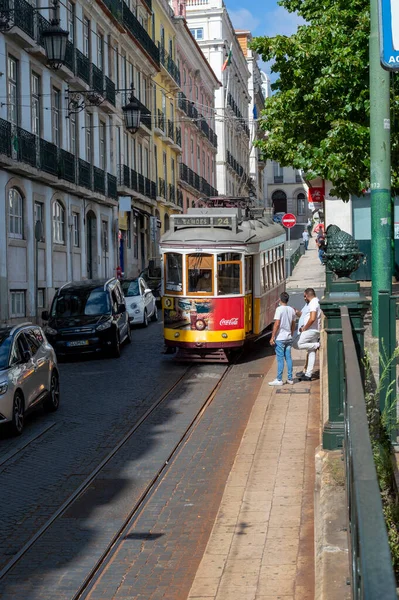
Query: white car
{"points": [[140, 301]]}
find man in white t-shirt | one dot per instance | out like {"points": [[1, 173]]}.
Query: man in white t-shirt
{"points": [[305, 237], [283, 329], [310, 332]]}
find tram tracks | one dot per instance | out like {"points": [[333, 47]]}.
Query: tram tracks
{"points": [[210, 383]]}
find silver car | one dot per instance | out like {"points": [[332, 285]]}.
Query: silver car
{"points": [[28, 374]]}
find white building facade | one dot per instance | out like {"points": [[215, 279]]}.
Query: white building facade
{"points": [[211, 26], [62, 144]]}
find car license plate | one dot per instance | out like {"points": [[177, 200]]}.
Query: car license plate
{"points": [[78, 343]]}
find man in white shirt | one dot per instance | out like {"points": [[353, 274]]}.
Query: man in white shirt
{"points": [[305, 237], [310, 332], [283, 329]]}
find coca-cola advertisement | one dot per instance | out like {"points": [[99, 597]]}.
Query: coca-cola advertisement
{"points": [[202, 314]]}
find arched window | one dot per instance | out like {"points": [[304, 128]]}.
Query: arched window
{"points": [[15, 214], [279, 201], [301, 203], [166, 222], [58, 223]]}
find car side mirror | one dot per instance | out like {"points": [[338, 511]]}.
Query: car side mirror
{"points": [[45, 315], [26, 356], [121, 308]]}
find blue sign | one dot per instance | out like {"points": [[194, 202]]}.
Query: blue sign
{"points": [[389, 34]]}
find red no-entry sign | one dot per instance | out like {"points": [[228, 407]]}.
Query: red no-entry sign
{"points": [[288, 220]]}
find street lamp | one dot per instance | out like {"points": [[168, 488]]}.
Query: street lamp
{"points": [[55, 44], [132, 114]]}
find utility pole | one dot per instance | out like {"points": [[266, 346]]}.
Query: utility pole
{"points": [[380, 171]]}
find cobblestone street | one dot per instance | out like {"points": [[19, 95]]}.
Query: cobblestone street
{"points": [[100, 400]]}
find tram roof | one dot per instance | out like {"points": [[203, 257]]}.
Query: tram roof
{"points": [[221, 226]]}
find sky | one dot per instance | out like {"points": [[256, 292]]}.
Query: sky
{"points": [[264, 18]]}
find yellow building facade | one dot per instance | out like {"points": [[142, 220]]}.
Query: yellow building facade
{"points": [[167, 130]]}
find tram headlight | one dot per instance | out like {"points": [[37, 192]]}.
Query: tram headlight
{"points": [[224, 336], [177, 334]]}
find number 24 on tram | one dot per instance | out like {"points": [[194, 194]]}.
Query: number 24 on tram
{"points": [[222, 277]]}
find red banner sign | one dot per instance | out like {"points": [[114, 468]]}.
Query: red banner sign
{"points": [[316, 194]]}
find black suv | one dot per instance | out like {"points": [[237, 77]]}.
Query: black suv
{"points": [[88, 316]]}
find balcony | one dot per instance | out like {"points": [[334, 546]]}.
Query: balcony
{"points": [[112, 186], [49, 157], [84, 173], [235, 165], [67, 166], [20, 146], [129, 178], [82, 66], [278, 179], [198, 119], [5, 137], [180, 198], [139, 34], [161, 188], [160, 120], [172, 193], [99, 180], [169, 64], [233, 105], [194, 180]]}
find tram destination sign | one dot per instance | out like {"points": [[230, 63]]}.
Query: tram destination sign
{"points": [[199, 221]]}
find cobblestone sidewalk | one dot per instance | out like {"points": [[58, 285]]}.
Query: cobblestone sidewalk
{"points": [[262, 543]]}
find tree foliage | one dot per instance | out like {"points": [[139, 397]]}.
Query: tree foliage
{"points": [[318, 118]]}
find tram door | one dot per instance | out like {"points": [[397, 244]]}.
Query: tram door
{"points": [[249, 285]]}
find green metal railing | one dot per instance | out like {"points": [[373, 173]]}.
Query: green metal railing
{"points": [[48, 157], [139, 33], [84, 174], [388, 313], [99, 180], [112, 187], [370, 561]]}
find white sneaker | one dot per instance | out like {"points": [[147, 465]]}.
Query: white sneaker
{"points": [[290, 381], [276, 382]]}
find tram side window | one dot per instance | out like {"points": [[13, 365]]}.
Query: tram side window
{"points": [[264, 280], [174, 272], [200, 273], [229, 273]]}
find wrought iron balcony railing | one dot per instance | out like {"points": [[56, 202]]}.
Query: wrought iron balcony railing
{"points": [[99, 180], [24, 143], [169, 64], [198, 119], [162, 187], [197, 182], [112, 188], [161, 120], [82, 66], [67, 166], [171, 130], [23, 146], [141, 183], [110, 93], [5, 137], [139, 33], [49, 157], [172, 193], [178, 136], [180, 198], [84, 174]]}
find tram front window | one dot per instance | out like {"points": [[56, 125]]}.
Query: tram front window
{"points": [[200, 269], [174, 272], [229, 273]]}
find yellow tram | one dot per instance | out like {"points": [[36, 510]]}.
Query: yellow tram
{"points": [[223, 271]]}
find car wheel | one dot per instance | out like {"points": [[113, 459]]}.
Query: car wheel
{"points": [[52, 401], [155, 314], [18, 410], [116, 347], [129, 334], [145, 319]]}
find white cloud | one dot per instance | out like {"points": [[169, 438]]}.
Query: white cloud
{"points": [[243, 19], [280, 22]]}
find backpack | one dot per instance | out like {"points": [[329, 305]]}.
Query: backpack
{"points": [[322, 244]]}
